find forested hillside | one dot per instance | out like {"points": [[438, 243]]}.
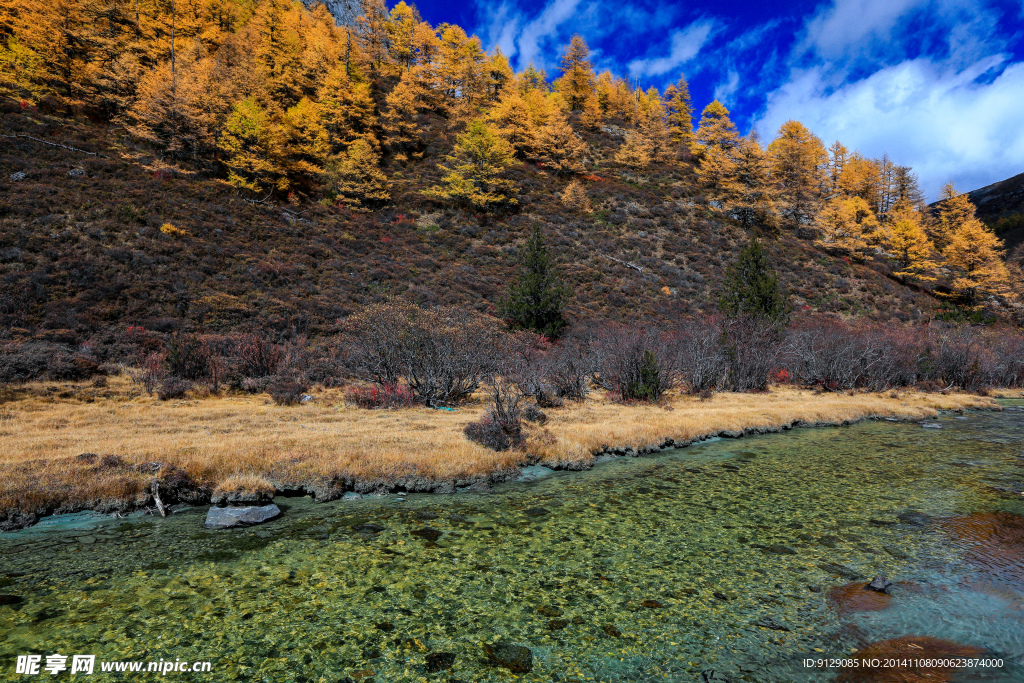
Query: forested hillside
{"points": [[219, 163]]}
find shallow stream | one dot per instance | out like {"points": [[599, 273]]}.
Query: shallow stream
{"points": [[733, 559]]}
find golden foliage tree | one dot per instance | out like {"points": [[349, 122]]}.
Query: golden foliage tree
{"points": [[252, 144], [634, 152], [715, 144], [907, 244], [974, 256], [400, 119], [798, 167], [575, 197], [357, 178], [577, 81], [347, 110], [558, 147], [475, 170], [513, 121], [955, 209], [848, 226], [680, 112], [752, 201]]}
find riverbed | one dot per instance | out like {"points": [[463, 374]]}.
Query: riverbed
{"points": [[735, 559]]}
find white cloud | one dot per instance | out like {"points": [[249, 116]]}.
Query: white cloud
{"points": [[530, 41], [943, 121], [684, 46], [853, 25], [725, 91], [501, 29]]}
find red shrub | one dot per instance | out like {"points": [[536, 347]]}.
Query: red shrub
{"points": [[387, 396]]}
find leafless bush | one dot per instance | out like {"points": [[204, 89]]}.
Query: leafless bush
{"points": [[443, 354], [152, 373], [287, 392], [958, 357], [637, 363], [571, 365], [188, 357], [1006, 367], [827, 353], [702, 357], [257, 355], [173, 387], [535, 414], [752, 349], [501, 427]]}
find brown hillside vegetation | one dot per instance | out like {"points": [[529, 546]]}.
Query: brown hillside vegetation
{"points": [[262, 165]]}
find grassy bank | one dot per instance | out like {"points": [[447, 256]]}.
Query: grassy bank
{"points": [[328, 446]]}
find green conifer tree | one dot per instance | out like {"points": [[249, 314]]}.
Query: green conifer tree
{"points": [[751, 285], [536, 298]]}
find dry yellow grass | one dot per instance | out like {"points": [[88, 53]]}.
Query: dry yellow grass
{"points": [[217, 439]]}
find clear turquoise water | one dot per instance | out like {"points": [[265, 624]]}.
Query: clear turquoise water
{"points": [[721, 535]]}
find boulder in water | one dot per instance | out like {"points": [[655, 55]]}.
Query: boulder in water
{"points": [[879, 583], [515, 658], [226, 518]]}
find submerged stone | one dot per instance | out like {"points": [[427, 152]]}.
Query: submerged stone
{"points": [[427, 533], [840, 570], [515, 658], [879, 583], [771, 623], [856, 597], [11, 599], [226, 518], [369, 528], [440, 661]]}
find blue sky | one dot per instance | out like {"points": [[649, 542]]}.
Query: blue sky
{"points": [[939, 85]]}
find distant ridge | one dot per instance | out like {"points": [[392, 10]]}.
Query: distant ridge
{"points": [[1002, 200]]}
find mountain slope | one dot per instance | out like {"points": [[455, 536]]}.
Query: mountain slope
{"points": [[1002, 205], [87, 243]]}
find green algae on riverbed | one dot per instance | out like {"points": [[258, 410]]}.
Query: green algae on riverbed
{"points": [[718, 556]]}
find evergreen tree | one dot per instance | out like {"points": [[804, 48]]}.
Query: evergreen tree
{"points": [[536, 298], [752, 286]]}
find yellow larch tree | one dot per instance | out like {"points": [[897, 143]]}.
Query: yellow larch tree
{"points": [[907, 244], [558, 147], [357, 178], [955, 209], [798, 167], [679, 109], [475, 170], [974, 257], [714, 145], [577, 81], [752, 202], [848, 226]]}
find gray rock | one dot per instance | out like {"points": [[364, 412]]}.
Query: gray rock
{"points": [[76, 172], [931, 425], [226, 518], [20, 175], [306, 398], [352, 495], [879, 584]]}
